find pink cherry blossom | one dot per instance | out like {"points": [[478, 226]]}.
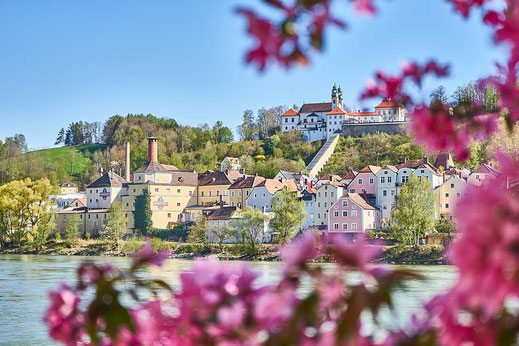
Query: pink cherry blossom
{"points": [[148, 255]]}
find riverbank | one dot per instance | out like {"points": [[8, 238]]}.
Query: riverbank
{"points": [[424, 254]]}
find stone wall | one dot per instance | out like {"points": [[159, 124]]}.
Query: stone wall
{"points": [[360, 129]]}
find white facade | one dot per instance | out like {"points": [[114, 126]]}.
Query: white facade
{"points": [[260, 199], [103, 197], [327, 194], [62, 201], [386, 192], [308, 200]]}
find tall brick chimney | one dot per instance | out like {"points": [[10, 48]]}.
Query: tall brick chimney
{"points": [[152, 149], [127, 163]]}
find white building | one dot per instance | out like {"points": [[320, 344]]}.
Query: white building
{"points": [[327, 194], [318, 121], [386, 191], [105, 190], [308, 199]]}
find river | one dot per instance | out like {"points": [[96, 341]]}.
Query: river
{"points": [[26, 279]]}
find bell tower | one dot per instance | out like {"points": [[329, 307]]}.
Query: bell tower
{"points": [[334, 96], [339, 98]]}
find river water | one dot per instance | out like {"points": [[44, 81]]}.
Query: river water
{"points": [[26, 279]]}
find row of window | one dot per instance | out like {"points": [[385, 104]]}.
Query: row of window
{"points": [[345, 213], [352, 227]]}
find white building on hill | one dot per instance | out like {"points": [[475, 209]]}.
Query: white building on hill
{"points": [[318, 121]]}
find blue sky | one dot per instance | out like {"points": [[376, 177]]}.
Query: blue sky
{"points": [[65, 61]]}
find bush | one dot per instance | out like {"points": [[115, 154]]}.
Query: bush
{"points": [[177, 234], [158, 244], [132, 245]]}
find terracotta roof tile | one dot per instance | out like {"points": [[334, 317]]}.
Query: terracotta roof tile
{"points": [[289, 112], [370, 169], [337, 110], [246, 182], [350, 175], [355, 197], [363, 114], [388, 104]]}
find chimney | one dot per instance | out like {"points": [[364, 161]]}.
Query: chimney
{"points": [[152, 149], [221, 201], [444, 176], [127, 163], [426, 159], [100, 171]]}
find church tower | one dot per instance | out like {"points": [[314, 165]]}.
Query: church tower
{"points": [[339, 98], [334, 96]]}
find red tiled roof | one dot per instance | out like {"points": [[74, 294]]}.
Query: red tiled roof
{"points": [[390, 167], [443, 160], [246, 182], [355, 197], [350, 175], [410, 164], [362, 114], [316, 107], [223, 213], [289, 112], [337, 110], [272, 185], [370, 169], [388, 104]]}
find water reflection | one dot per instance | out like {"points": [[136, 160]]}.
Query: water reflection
{"points": [[26, 279]]}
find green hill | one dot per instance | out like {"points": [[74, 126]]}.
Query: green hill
{"points": [[77, 159]]}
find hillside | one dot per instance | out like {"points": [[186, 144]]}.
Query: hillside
{"points": [[72, 163]]}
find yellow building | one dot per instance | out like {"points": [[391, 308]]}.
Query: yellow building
{"points": [[172, 191], [213, 186], [449, 193], [91, 220], [241, 189], [67, 188]]}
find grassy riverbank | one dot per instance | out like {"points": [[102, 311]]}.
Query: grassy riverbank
{"points": [[425, 254]]}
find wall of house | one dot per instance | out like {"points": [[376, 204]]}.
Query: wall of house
{"points": [[327, 194], [449, 193], [210, 194], [260, 199], [386, 192], [103, 197], [364, 183]]}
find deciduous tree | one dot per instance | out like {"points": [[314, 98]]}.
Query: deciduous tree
{"points": [[414, 211], [116, 224], [289, 215]]}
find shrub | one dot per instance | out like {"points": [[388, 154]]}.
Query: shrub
{"points": [[132, 245]]}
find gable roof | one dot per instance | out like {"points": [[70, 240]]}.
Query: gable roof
{"points": [[390, 167], [355, 197], [68, 184], [370, 169], [152, 167], [232, 159], [272, 185], [350, 175], [388, 103], [246, 182], [330, 177], [289, 184], [312, 115], [458, 172], [209, 178], [337, 110], [316, 107], [222, 213], [109, 179], [410, 163], [289, 112], [486, 169], [444, 160]]}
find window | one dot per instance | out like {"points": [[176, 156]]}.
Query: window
{"points": [[344, 213], [335, 226], [353, 213], [446, 205], [325, 194], [452, 186], [263, 195], [344, 226], [190, 193], [446, 194], [239, 193], [156, 189], [336, 213], [458, 194], [363, 190], [217, 193], [344, 203], [256, 195], [331, 193], [210, 193], [389, 179], [133, 190], [352, 190], [293, 119], [392, 192], [383, 179], [360, 181], [384, 206], [384, 193], [319, 204], [371, 180], [97, 216], [202, 193], [169, 215], [318, 215], [369, 213], [353, 226], [178, 204], [325, 204], [232, 193], [405, 179]]}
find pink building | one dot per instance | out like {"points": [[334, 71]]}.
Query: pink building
{"points": [[365, 182], [351, 216]]}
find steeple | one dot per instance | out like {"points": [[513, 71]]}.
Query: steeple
{"points": [[334, 96], [339, 94]]}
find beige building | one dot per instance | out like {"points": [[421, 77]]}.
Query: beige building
{"points": [[91, 221], [213, 186], [326, 195], [67, 188], [449, 193], [240, 190]]}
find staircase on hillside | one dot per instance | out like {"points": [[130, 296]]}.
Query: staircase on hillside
{"points": [[323, 155]]}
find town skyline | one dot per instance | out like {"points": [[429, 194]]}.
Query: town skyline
{"points": [[67, 70]]}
